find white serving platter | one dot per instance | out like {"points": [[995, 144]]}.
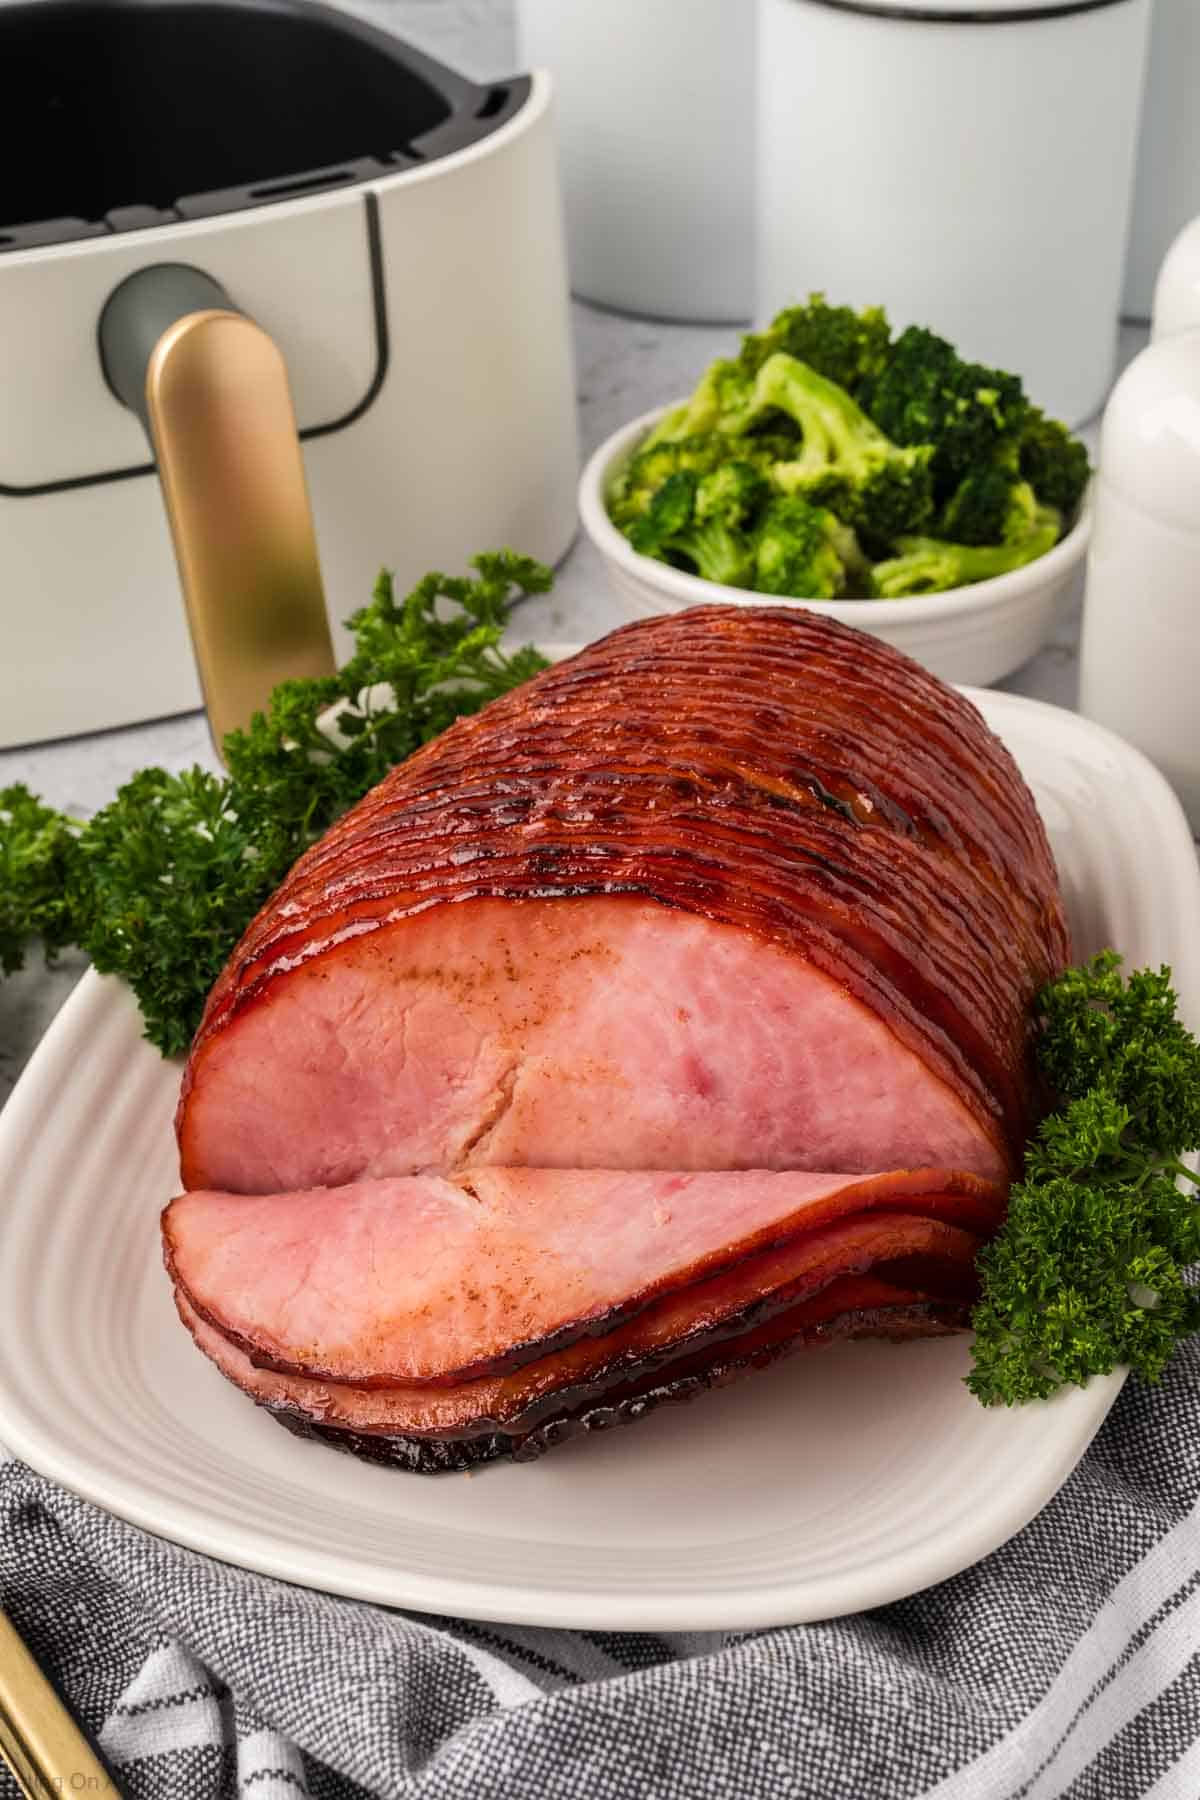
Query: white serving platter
{"points": [[839, 1480]]}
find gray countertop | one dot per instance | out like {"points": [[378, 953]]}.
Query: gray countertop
{"points": [[624, 366]]}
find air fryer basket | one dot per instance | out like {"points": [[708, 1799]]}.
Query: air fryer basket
{"points": [[121, 114]]}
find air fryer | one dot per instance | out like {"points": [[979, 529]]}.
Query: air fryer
{"points": [[247, 221]]}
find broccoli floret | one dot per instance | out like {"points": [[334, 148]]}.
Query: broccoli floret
{"points": [[927, 394], [669, 511], [843, 345], [672, 530], [850, 553], [765, 448], [669, 428], [631, 494], [718, 551], [734, 493], [653, 465], [723, 387], [845, 462], [1054, 463], [930, 565], [696, 454], [797, 552], [991, 505]]}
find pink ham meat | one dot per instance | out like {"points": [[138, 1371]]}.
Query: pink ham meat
{"points": [[351, 1284], [670, 1013], [796, 1270], [591, 1032]]}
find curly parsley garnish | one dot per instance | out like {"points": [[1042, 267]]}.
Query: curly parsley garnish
{"points": [[1089, 1270], [37, 846], [160, 885]]}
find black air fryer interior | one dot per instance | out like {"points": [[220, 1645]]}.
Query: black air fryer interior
{"points": [[124, 113]]}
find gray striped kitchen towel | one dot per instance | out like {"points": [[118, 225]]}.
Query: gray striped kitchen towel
{"points": [[1066, 1664]]}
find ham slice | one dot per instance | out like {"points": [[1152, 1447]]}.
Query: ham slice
{"points": [[351, 1420], [373, 1426], [351, 1284], [671, 1012], [922, 1273]]}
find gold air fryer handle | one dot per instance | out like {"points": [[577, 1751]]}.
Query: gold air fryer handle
{"points": [[215, 400], [224, 437]]}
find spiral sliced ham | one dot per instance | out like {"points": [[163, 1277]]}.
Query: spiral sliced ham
{"points": [[670, 1013], [351, 1284]]}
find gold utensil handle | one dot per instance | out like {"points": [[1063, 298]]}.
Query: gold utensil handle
{"points": [[39, 1739], [224, 434]]}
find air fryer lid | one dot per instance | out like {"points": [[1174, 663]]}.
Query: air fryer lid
{"points": [[125, 113]]}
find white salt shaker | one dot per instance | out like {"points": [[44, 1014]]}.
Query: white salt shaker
{"points": [[1140, 670], [1177, 290]]}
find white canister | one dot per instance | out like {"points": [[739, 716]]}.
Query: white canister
{"points": [[1140, 667], [1177, 290], [966, 163], [1167, 190], [655, 102]]}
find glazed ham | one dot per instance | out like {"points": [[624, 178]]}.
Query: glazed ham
{"points": [[671, 1013]]}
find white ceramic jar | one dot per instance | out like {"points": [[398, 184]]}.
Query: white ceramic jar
{"points": [[1177, 290], [655, 103], [1140, 657], [968, 163]]}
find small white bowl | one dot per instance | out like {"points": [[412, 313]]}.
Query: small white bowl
{"points": [[975, 634]]}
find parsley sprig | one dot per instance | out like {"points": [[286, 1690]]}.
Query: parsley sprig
{"points": [[1090, 1269], [36, 850], [160, 884]]}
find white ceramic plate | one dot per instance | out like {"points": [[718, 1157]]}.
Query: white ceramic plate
{"points": [[838, 1480]]}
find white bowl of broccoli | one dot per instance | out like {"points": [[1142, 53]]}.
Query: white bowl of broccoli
{"points": [[952, 533]]}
